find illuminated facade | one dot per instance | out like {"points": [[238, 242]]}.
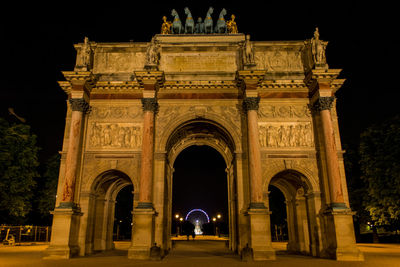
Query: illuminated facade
{"points": [[268, 107]]}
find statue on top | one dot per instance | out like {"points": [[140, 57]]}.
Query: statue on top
{"points": [[318, 48], [248, 52], [152, 54], [84, 61], [166, 26], [231, 25]]}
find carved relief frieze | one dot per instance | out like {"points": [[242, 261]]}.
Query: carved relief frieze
{"points": [[286, 135], [116, 112], [114, 136], [280, 60], [283, 111]]}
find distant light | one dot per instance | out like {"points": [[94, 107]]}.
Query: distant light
{"points": [[181, 219], [177, 216], [219, 216], [193, 210], [214, 219]]}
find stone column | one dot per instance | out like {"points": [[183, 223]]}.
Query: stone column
{"points": [[79, 107], [256, 196], [339, 239], [150, 106], [66, 217], [143, 229], [323, 106], [259, 216]]}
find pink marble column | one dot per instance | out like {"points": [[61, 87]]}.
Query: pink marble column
{"points": [[79, 107], [146, 171], [256, 197], [323, 105]]}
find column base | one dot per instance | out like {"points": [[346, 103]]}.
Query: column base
{"points": [[64, 238], [260, 234], [60, 252], [342, 245], [142, 233]]}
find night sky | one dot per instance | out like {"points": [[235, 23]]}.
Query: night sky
{"points": [[37, 44]]}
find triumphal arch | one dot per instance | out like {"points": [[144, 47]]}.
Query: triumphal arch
{"points": [[268, 107]]}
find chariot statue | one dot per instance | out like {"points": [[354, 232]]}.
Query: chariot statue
{"points": [[221, 24], [189, 23], [199, 27], [177, 27], [208, 21]]}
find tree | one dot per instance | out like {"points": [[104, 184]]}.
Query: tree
{"points": [[18, 169], [380, 170], [46, 197]]}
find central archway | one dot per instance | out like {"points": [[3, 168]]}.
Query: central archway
{"points": [[203, 132]]}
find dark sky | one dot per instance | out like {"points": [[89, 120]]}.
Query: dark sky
{"points": [[37, 44]]}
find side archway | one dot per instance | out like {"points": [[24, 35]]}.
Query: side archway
{"points": [[302, 203], [99, 203]]}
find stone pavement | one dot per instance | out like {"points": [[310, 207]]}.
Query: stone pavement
{"points": [[195, 253]]}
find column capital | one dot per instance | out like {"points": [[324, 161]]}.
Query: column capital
{"points": [[79, 104], [323, 103], [149, 104], [251, 103]]}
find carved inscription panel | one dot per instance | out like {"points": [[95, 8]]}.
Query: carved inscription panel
{"points": [[114, 136], [116, 112], [198, 62], [286, 135]]}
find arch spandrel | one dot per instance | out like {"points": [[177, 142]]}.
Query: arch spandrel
{"points": [[177, 116]]}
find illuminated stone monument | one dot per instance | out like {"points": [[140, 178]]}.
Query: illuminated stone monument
{"points": [[268, 107]]}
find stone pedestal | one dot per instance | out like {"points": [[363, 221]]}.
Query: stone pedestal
{"points": [[142, 234], [64, 237], [260, 235], [342, 247]]}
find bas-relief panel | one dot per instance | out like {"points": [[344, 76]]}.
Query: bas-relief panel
{"points": [[285, 135], [285, 126], [279, 60], [118, 62], [111, 136], [117, 127], [198, 62]]}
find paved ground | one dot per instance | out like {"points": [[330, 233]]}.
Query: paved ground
{"points": [[195, 253]]}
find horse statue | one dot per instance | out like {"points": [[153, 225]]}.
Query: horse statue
{"points": [[199, 28], [221, 24], [189, 23], [177, 24], [208, 22]]}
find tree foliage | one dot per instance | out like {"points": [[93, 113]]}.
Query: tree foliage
{"points": [[380, 171], [18, 169], [46, 196]]}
